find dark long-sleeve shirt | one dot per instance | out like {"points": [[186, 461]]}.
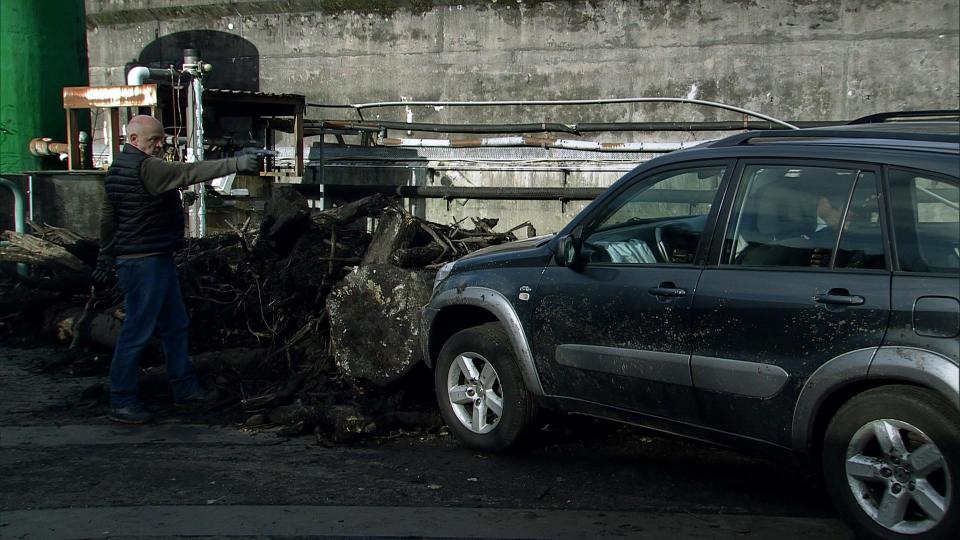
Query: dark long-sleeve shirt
{"points": [[159, 176]]}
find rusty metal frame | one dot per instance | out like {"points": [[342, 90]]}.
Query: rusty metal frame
{"points": [[268, 105], [103, 97]]}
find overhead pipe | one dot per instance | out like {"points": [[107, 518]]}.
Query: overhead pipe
{"points": [[453, 192], [540, 142], [19, 222], [359, 107], [492, 193], [313, 127], [141, 74], [216, 141]]}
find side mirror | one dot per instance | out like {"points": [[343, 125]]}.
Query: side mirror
{"points": [[567, 251]]}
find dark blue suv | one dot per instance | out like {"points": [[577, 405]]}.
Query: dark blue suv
{"points": [[795, 293]]}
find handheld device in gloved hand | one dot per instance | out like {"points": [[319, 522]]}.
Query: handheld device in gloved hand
{"points": [[248, 163], [248, 160], [104, 274], [259, 152]]}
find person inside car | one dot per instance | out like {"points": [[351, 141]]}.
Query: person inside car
{"points": [[829, 221]]}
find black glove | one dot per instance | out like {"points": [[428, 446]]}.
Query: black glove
{"points": [[103, 275], [248, 163], [188, 198]]}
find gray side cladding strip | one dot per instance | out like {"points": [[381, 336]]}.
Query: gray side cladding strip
{"points": [[749, 379], [651, 365]]}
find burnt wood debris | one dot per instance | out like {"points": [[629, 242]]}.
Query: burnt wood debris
{"points": [[305, 324]]}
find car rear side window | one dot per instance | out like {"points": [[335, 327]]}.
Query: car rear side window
{"points": [[793, 216], [926, 221]]}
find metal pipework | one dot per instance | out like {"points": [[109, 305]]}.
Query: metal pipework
{"points": [[140, 74], [540, 142], [311, 127], [494, 193], [19, 223], [193, 66], [45, 146], [218, 141], [449, 193], [358, 107]]}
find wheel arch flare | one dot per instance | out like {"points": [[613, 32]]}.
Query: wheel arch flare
{"points": [[456, 309]]}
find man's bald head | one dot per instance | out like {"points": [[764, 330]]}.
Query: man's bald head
{"points": [[145, 133]]}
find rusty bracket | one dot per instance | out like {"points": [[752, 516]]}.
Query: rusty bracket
{"points": [[103, 97]]}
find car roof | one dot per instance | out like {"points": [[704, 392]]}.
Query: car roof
{"points": [[927, 145], [929, 126]]}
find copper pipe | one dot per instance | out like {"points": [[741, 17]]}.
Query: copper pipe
{"points": [[45, 146]]}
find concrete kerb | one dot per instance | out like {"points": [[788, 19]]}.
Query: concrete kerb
{"points": [[397, 522]]}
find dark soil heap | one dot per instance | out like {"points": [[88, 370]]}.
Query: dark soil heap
{"points": [[262, 305]]}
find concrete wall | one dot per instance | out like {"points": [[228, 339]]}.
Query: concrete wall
{"points": [[793, 59], [799, 59]]}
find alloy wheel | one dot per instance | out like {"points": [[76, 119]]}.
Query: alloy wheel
{"points": [[475, 393], [898, 476]]}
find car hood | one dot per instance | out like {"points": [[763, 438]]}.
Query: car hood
{"points": [[508, 247]]}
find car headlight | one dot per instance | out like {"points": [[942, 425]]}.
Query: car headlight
{"points": [[442, 274]]}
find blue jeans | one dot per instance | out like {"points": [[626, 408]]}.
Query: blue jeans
{"points": [[152, 302]]}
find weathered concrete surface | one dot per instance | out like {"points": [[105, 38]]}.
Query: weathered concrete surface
{"points": [[812, 59]]}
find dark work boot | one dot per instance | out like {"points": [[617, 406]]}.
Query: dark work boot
{"points": [[132, 414]]}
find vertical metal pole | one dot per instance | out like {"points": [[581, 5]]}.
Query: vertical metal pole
{"points": [[197, 86], [298, 142], [30, 198], [193, 66], [19, 224], [114, 133], [270, 140], [320, 174], [191, 158], [74, 160]]}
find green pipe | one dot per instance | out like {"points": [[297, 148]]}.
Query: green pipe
{"points": [[19, 223]]}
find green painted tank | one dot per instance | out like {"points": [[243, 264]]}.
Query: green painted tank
{"points": [[43, 47]]}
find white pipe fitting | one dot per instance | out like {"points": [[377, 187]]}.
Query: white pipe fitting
{"points": [[138, 75]]}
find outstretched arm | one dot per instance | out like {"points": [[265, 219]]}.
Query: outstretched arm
{"points": [[160, 176]]}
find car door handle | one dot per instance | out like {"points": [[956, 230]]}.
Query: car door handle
{"points": [[667, 291], [839, 299]]}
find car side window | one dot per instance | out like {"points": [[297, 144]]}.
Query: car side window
{"points": [[657, 221], [861, 239], [793, 216], [926, 221]]}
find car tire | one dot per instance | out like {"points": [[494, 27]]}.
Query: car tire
{"points": [[891, 464], [480, 389]]}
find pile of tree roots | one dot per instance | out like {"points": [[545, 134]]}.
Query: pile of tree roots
{"points": [[306, 322]]}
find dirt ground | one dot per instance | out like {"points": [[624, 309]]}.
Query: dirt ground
{"points": [[58, 451]]}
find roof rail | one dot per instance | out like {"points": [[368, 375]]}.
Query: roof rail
{"points": [[885, 116], [744, 138]]}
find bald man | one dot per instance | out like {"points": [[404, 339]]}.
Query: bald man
{"points": [[141, 227]]}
